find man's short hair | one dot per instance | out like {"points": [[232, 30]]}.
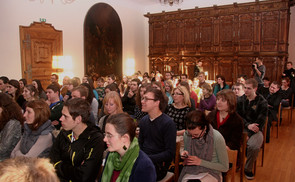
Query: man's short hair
{"points": [[289, 62], [201, 73], [266, 78], [82, 90], [243, 76], [78, 107], [276, 83], [184, 75], [25, 169], [55, 75], [112, 76], [55, 87], [240, 84], [136, 80], [4, 79], [158, 96], [253, 82]]}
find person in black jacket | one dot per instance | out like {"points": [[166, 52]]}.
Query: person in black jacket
{"points": [[128, 100], [273, 99], [253, 109], [78, 149]]}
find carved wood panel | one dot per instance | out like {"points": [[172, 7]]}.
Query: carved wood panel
{"points": [[246, 32], [270, 33], [226, 33], [39, 42], [206, 34], [227, 38]]}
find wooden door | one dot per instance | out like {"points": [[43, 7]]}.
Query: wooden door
{"points": [[38, 43]]}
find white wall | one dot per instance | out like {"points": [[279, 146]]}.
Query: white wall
{"points": [[70, 19]]}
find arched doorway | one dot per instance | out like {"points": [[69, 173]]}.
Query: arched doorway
{"points": [[102, 41]]}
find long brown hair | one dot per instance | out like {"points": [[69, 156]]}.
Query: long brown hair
{"points": [[10, 110]]}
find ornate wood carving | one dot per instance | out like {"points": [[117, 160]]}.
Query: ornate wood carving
{"points": [[227, 39]]}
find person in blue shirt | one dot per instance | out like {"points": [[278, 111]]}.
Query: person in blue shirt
{"points": [[157, 136]]}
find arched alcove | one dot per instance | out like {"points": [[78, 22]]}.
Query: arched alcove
{"points": [[102, 41]]}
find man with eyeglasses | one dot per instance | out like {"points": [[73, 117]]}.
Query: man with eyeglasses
{"points": [[157, 136], [128, 100], [78, 149], [253, 110]]}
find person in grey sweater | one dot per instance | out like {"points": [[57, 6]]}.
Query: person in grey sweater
{"points": [[11, 121], [37, 139]]}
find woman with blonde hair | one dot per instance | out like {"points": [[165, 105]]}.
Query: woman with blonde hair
{"points": [[112, 104], [178, 110], [168, 90]]}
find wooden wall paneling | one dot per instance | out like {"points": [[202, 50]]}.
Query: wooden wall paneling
{"points": [[246, 32], [244, 66], [283, 30], [270, 31], [173, 37], [209, 65], [226, 38], [257, 32], [206, 34], [190, 63], [272, 67], [158, 64], [217, 31], [190, 35], [226, 33], [174, 65], [159, 40], [225, 68]]}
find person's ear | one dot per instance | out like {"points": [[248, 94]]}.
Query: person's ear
{"points": [[78, 119], [126, 137]]}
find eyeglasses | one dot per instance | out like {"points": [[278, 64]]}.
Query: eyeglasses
{"points": [[196, 136], [175, 93], [146, 99]]}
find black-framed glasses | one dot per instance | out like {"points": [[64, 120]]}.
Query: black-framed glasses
{"points": [[196, 136], [177, 94], [146, 99]]}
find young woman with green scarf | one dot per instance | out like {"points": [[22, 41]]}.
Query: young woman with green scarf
{"points": [[125, 161]]}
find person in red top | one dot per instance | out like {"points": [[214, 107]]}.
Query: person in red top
{"points": [[226, 120]]}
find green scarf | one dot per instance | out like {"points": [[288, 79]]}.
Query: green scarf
{"points": [[124, 165]]}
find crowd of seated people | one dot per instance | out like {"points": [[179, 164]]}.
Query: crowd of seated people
{"points": [[73, 124]]}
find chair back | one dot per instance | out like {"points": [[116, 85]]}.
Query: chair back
{"points": [[173, 176], [232, 158], [243, 155]]}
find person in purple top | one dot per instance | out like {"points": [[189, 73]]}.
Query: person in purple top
{"points": [[208, 99]]}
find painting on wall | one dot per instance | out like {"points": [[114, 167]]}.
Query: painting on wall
{"points": [[102, 41]]}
